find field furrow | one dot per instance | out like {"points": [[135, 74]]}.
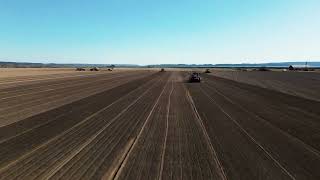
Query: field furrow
{"points": [[143, 124]]}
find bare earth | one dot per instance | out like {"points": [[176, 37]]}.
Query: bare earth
{"points": [[153, 125], [14, 72], [303, 84]]}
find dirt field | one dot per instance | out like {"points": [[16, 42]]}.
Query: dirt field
{"points": [[17, 72], [154, 125], [303, 84]]}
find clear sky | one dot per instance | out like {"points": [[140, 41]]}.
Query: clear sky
{"points": [[162, 31]]}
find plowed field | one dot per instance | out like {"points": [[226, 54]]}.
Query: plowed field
{"points": [[154, 125]]}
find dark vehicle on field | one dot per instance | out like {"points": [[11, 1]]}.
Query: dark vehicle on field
{"points": [[195, 77], [94, 69], [161, 70], [291, 68], [80, 69], [207, 71]]}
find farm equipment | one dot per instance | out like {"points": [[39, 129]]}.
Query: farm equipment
{"points": [[195, 77], [94, 69], [162, 70], [80, 69]]}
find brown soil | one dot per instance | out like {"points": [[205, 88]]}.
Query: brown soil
{"points": [[152, 125]]}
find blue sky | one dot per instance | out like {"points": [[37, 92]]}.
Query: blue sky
{"points": [[166, 31]]}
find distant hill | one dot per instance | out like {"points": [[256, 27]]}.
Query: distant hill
{"points": [[280, 64], [54, 65], [179, 65], [247, 65]]}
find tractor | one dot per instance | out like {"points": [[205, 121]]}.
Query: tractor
{"points": [[195, 77]]}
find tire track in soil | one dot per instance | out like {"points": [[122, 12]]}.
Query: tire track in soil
{"points": [[48, 104], [51, 128], [83, 128], [240, 157], [29, 123], [188, 154], [158, 129], [214, 153], [75, 152], [251, 137], [124, 131], [166, 132], [44, 79], [28, 101], [301, 160], [43, 105], [291, 120], [135, 141], [299, 141], [36, 86], [40, 88]]}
